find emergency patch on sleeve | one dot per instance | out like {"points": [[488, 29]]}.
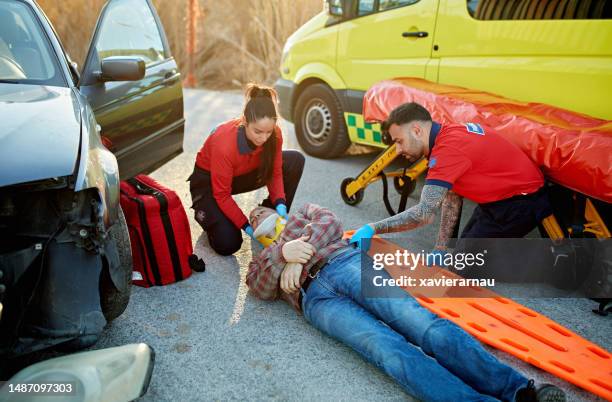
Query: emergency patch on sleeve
{"points": [[474, 128]]}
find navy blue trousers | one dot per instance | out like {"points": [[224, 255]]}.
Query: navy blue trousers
{"points": [[512, 218]]}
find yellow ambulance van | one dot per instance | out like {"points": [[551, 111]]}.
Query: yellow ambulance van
{"points": [[557, 52]]}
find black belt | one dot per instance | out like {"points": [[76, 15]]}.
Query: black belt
{"points": [[517, 197], [313, 272]]}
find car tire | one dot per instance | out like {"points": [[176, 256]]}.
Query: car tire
{"points": [[112, 300], [319, 122]]}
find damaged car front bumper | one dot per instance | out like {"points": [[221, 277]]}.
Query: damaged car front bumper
{"points": [[53, 248]]}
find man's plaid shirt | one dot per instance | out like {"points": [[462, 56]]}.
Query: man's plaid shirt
{"points": [[324, 232]]}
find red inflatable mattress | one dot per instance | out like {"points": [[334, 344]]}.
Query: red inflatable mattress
{"points": [[572, 149]]}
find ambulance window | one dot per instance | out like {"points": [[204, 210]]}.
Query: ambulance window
{"points": [[336, 8], [539, 9], [389, 4], [366, 7]]}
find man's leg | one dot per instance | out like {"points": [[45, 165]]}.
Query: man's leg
{"points": [[474, 227], [451, 346], [503, 219], [420, 375], [506, 219], [483, 225]]}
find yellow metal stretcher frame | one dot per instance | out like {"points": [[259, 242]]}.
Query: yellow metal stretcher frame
{"points": [[372, 172], [352, 189]]}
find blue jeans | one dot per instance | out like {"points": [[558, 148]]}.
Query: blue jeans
{"points": [[430, 357]]}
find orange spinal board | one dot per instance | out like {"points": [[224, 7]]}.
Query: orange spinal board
{"points": [[513, 328]]}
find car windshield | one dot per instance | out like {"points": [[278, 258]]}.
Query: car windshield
{"points": [[26, 55]]}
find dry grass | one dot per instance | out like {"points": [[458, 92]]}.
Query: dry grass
{"points": [[74, 23], [238, 40]]}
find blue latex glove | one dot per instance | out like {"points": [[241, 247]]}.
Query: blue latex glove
{"points": [[364, 232], [249, 230], [433, 259], [281, 209]]}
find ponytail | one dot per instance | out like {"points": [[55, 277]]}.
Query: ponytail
{"points": [[260, 104]]}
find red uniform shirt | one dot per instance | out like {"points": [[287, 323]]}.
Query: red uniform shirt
{"points": [[479, 164], [226, 154]]}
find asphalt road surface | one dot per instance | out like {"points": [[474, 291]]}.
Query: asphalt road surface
{"points": [[214, 341]]}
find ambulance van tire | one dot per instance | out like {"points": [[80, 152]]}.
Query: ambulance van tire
{"points": [[319, 122]]}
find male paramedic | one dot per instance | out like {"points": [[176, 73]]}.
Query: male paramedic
{"points": [[309, 265], [465, 160]]}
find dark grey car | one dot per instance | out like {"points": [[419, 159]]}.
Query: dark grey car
{"points": [[66, 138]]}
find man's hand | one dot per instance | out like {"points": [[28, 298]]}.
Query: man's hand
{"points": [[290, 277], [298, 250]]}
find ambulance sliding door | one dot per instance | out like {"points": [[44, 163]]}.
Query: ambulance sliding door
{"points": [[386, 39], [557, 52]]}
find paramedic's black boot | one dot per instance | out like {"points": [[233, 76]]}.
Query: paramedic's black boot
{"points": [[543, 393]]}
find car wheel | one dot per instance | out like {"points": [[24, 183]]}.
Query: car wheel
{"points": [[319, 122], [114, 301]]}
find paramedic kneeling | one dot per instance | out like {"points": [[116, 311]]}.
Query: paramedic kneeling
{"points": [[242, 155], [465, 160]]}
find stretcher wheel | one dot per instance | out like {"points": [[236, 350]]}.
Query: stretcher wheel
{"points": [[400, 182], [356, 198]]}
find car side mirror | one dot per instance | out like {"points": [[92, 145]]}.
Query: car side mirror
{"points": [[121, 68], [335, 8]]}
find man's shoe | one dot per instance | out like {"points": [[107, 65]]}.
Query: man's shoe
{"points": [[543, 393]]}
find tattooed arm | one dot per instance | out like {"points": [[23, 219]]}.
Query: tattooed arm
{"points": [[451, 209], [418, 215]]}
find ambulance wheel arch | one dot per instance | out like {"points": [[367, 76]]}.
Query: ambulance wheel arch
{"points": [[319, 121]]}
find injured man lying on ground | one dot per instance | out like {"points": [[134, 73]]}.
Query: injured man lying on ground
{"points": [[309, 265]]}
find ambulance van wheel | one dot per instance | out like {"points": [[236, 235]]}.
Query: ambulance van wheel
{"points": [[319, 122], [356, 198]]}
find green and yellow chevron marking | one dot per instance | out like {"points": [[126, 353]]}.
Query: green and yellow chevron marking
{"points": [[361, 132]]}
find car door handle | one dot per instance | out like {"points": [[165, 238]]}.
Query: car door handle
{"points": [[170, 77], [417, 34]]}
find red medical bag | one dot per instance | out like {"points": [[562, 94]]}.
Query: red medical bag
{"points": [[159, 232]]}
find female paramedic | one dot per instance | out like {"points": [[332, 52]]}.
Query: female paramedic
{"points": [[242, 155]]}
